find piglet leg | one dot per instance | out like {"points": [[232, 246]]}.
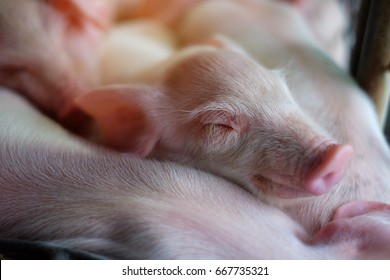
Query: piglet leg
{"points": [[363, 227]]}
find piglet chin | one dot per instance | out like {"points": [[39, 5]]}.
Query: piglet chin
{"points": [[268, 187]]}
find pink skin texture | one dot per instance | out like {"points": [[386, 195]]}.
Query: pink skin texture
{"points": [[243, 107], [235, 106]]}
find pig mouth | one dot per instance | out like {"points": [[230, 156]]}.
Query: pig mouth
{"points": [[271, 188]]}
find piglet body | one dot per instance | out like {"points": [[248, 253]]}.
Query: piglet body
{"points": [[328, 22]]}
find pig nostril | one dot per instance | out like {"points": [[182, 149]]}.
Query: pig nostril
{"points": [[322, 185], [329, 171], [329, 177]]}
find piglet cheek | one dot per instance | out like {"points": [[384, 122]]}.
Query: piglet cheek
{"points": [[271, 188]]}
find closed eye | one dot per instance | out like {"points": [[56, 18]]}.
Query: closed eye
{"points": [[219, 127], [222, 126]]}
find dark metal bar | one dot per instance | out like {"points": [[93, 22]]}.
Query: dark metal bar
{"points": [[372, 70], [359, 30]]}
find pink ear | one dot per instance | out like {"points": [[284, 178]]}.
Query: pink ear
{"points": [[123, 116], [80, 11]]}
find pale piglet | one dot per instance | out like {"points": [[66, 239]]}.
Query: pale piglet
{"points": [[133, 47], [325, 93], [57, 188], [167, 12], [219, 110], [329, 23], [55, 50], [212, 108]]}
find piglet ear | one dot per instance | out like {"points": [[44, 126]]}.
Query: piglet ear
{"points": [[124, 116], [79, 12], [222, 42]]}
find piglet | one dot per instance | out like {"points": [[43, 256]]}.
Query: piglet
{"points": [[59, 189], [217, 109], [327, 95], [329, 24], [70, 46], [132, 47], [167, 12], [49, 49]]}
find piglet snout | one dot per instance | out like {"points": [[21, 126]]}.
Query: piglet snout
{"points": [[320, 170], [329, 171]]}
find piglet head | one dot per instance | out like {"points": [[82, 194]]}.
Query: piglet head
{"points": [[221, 111], [240, 120]]}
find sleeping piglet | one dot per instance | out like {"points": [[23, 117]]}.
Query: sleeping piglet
{"points": [[217, 109], [272, 172], [326, 94]]}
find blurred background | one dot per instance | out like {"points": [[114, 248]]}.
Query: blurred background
{"points": [[369, 36]]}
